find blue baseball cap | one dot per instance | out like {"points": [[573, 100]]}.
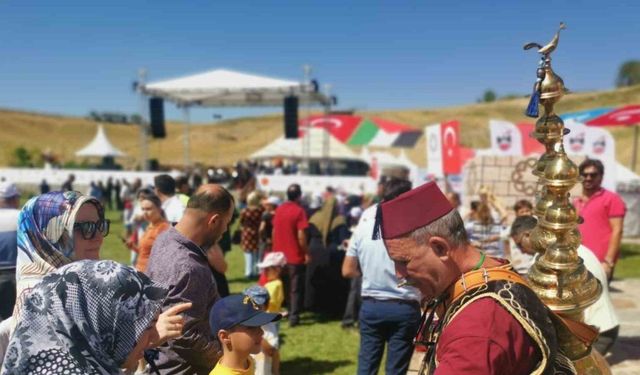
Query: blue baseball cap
{"points": [[237, 310]]}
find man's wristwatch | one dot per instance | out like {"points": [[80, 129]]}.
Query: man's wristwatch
{"points": [[609, 263]]}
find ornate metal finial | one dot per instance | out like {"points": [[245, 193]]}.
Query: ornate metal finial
{"points": [[559, 276], [545, 77]]}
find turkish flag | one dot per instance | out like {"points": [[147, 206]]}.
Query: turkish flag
{"points": [[340, 126], [629, 115], [450, 133], [466, 154]]}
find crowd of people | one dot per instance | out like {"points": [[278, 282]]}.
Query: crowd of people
{"points": [[377, 262]]}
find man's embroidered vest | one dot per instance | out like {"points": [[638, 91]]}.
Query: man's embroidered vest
{"points": [[523, 304]]}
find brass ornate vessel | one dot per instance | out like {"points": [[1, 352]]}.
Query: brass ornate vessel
{"points": [[559, 276]]}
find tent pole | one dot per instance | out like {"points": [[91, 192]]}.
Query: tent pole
{"points": [[306, 141], [144, 152], [326, 140], [187, 124], [634, 152]]}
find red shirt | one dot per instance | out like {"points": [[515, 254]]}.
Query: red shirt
{"points": [[288, 219], [597, 210], [485, 339]]}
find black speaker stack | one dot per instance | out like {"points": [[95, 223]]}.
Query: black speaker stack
{"points": [[291, 117], [156, 116]]}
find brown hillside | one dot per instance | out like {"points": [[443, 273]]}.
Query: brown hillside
{"points": [[232, 140]]}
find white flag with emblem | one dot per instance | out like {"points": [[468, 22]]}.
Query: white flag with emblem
{"points": [[506, 139], [434, 150]]}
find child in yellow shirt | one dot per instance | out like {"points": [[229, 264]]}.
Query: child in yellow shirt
{"points": [[272, 265], [236, 320]]}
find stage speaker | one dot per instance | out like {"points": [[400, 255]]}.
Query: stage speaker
{"points": [[156, 116], [291, 117]]}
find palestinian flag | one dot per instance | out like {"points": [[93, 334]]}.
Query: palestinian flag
{"points": [[360, 131]]}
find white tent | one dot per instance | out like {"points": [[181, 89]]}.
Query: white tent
{"points": [[628, 187], [227, 88], [221, 88], [100, 146], [293, 148]]}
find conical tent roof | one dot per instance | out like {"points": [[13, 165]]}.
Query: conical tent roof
{"points": [[100, 146]]}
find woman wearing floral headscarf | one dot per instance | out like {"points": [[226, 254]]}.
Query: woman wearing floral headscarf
{"points": [[55, 229], [89, 317]]}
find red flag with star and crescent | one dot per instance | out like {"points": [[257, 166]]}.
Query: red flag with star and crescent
{"points": [[450, 133]]}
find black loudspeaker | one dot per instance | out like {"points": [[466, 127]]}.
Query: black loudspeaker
{"points": [[291, 117], [156, 115]]}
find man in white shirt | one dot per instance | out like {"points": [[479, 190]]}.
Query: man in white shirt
{"points": [[165, 188], [389, 314]]}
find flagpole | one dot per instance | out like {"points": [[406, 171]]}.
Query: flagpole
{"points": [[187, 122], [326, 139], [144, 162], [634, 150], [306, 141]]}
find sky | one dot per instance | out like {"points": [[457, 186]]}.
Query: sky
{"points": [[71, 57]]}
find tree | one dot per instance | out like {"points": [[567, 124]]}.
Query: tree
{"points": [[489, 96], [94, 115], [628, 73], [135, 119], [21, 157]]}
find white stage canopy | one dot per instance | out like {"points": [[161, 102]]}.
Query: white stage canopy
{"points": [[100, 146], [228, 88], [293, 148]]}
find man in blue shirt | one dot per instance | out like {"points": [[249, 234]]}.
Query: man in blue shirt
{"points": [[389, 314], [9, 201]]}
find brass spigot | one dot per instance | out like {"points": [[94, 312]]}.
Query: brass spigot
{"points": [[559, 276]]}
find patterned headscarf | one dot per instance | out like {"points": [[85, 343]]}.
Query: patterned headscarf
{"points": [[45, 235], [84, 318]]}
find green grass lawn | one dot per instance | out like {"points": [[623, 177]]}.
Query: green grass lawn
{"points": [[629, 263], [317, 346]]}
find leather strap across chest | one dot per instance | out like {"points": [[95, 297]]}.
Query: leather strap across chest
{"points": [[475, 279]]}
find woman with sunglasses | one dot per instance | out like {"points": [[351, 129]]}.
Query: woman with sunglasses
{"points": [[152, 212], [55, 229]]}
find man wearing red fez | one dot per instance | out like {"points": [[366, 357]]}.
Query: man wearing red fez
{"points": [[489, 320]]}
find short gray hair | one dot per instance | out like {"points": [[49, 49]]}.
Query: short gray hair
{"points": [[450, 227]]}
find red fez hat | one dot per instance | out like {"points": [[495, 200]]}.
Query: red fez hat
{"points": [[410, 211]]}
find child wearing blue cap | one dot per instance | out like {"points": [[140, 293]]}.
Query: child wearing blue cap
{"points": [[267, 362], [236, 320]]}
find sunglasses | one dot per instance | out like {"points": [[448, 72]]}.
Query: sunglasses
{"points": [[88, 229], [592, 175]]}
